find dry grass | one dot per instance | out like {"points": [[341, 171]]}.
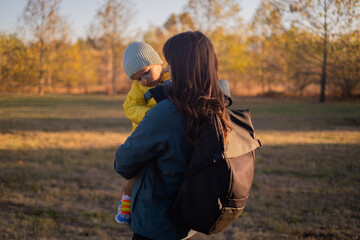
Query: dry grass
{"points": [[57, 179]]}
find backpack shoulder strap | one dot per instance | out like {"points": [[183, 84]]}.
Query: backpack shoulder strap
{"points": [[218, 141]]}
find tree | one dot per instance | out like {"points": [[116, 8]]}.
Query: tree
{"points": [[176, 23], [156, 37], [109, 30], [62, 69], [211, 14], [43, 21], [302, 59], [17, 70], [346, 64], [179, 23], [267, 20], [328, 19], [84, 64], [266, 29], [232, 56]]}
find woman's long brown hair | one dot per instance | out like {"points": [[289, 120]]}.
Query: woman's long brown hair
{"points": [[194, 88]]}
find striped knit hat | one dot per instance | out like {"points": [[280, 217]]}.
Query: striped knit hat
{"points": [[137, 56]]}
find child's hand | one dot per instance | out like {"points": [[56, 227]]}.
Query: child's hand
{"points": [[159, 93]]}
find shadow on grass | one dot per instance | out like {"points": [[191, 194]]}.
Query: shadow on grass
{"points": [[307, 123], [61, 101], [62, 194], [288, 123], [68, 124], [301, 114], [299, 191], [307, 191], [59, 223]]}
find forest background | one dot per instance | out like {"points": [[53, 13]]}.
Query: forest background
{"points": [[289, 48]]}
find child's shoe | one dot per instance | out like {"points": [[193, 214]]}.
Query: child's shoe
{"points": [[123, 215]]}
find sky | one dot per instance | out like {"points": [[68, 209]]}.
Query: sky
{"points": [[79, 13]]}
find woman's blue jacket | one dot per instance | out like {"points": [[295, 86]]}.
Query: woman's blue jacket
{"points": [[159, 139]]}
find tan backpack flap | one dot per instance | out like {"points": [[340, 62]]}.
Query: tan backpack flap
{"points": [[241, 139]]}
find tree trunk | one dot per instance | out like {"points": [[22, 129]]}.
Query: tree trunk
{"points": [[347, 89], [49, 82], [262, 67], [114, 69], [323, 74], [83, 68], [68, 87], [0, 66], [41, 66], [86, 90], [324, 65], [108, 73], [83, 63]]}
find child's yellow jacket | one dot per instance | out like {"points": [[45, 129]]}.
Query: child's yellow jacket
{"points": [[135, 106]]}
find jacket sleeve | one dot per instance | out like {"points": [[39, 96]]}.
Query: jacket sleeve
{"points": [[149, 139], [135, 107]]}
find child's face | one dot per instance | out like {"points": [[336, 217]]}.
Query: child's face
{"points": [[148, 76]]}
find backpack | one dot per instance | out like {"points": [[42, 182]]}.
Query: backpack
{"points": [[218, 178]]}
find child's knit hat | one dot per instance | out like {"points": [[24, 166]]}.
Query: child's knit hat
{"points": [[137, 56]]}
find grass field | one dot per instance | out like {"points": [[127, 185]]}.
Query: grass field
{"points": [[57, 179]]}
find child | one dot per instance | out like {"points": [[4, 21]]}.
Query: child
{"points": [[142, 64]]}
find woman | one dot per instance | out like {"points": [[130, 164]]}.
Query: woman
{"points": [[158, 151]]}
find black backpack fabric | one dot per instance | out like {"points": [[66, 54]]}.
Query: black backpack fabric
{"points": [[218, 179]]}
